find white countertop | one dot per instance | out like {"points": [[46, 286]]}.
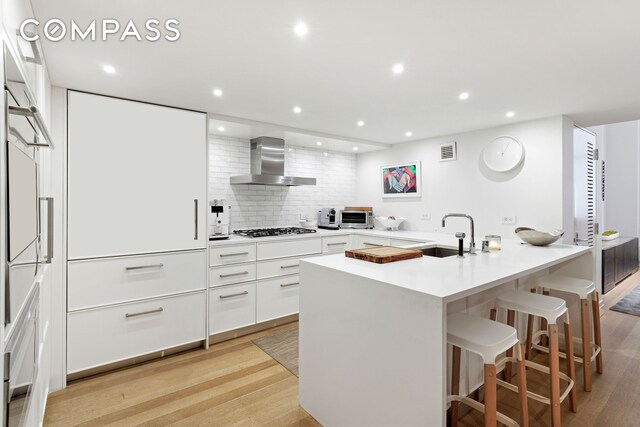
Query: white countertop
{"points": [[452, 278]]}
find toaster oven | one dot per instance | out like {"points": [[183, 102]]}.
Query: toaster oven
{"points": [[356, 219]]}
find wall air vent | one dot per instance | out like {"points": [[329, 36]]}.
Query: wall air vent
{"points": [[448, 152]]}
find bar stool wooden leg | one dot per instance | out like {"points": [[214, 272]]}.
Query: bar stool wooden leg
{"points": [[493, 314], [490, 396], [554, 370], [522, 387], [529, 343], [511, 315], [597, 337], [586, 344], [543, 325], [571, 364], [455, 384]]}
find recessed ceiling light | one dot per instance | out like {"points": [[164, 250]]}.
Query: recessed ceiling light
{"points": [[464, 95], [325, 154], [221, 128], [319, 143], [360, 123], [297, 110], [217, 92], [355, 148], [398, 68], [510, 114], [110, 69], [409, 133], [301, 29], [290, 149]]}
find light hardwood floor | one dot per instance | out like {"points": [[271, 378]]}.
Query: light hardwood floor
{"points": [[236, 384]]}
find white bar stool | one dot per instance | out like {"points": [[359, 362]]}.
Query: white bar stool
{"points": [[551, 309], [585, 290], [487, 339]]}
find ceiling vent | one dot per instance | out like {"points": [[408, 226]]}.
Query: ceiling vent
{"points": [[448, 152]]}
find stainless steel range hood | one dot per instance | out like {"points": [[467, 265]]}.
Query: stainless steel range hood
{"points": [[267, 165]]}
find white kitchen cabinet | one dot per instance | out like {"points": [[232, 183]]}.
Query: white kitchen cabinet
{"points": [[104, 281], [232, 254], [404, 242], [363, 241], [232, 307], [137, 177], [336, 244], [289, 248], [278, 267], [109, 334], [277, 297], [235, 273]]}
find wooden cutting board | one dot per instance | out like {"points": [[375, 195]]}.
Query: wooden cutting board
{"points": [[384, 254]]}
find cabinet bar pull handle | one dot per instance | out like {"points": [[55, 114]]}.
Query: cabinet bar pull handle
{"points": [[234, 254], [336, 244], [372, 244], [140, 267], [222, 276], [286, 285], [289, 266], [239, 294], [195, 234], [157, 310]]}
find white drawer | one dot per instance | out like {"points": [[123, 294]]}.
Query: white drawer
{"points": [[336, 244], [401, 242], [232, 307], [97, 282], [277, 297], [371, 241], [104, 335], [232, 274], [232, 254], [289, 248], [278, 267]]}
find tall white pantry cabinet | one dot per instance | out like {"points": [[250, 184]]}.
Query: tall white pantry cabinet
{"points": [[136, 235]]}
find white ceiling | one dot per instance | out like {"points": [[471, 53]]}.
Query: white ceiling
{"points": [[536, 58]]}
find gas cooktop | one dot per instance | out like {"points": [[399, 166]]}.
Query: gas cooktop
{"points": [[266, 232]]}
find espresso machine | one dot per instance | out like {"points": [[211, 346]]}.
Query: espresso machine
{"points": [[218, 220]]}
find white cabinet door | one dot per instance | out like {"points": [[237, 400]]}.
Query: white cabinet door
{"points": [[277, 297], [232, 307], [109, 334], [137, 177], [371, 241], [336, 244], [289, 248]]}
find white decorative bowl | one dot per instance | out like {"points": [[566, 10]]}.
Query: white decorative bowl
{"points": [[611, 237], [390, 224], [308, 223], [538, 238]]}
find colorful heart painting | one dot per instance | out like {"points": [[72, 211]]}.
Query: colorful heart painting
{"points": [[402, 180]]}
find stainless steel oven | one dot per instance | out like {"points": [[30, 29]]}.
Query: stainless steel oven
{"points": [[20, 362], [356, 219], [23, 138]]}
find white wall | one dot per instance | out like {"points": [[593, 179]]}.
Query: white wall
{"points": [[622, 163], [533, 192], [266, 206]]}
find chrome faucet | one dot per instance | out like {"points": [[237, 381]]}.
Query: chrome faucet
{"points": [[472, 244]]}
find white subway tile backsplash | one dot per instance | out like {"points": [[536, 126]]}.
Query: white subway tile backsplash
{"points": [[269, 206]]}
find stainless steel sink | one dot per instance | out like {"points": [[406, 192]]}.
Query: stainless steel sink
{"points": [[438, 252]]}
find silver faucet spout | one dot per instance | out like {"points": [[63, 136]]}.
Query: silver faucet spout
{"points": [[472, 244]]}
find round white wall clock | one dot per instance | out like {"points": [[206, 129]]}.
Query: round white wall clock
{"points": [[503, 154]]}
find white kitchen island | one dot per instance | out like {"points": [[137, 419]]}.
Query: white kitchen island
{"points": [[373, 348]]}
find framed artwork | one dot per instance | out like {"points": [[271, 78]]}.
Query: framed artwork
{"points": [[402, 180]]}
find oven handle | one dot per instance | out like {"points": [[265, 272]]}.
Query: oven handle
{"points": [[49, 201]]}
